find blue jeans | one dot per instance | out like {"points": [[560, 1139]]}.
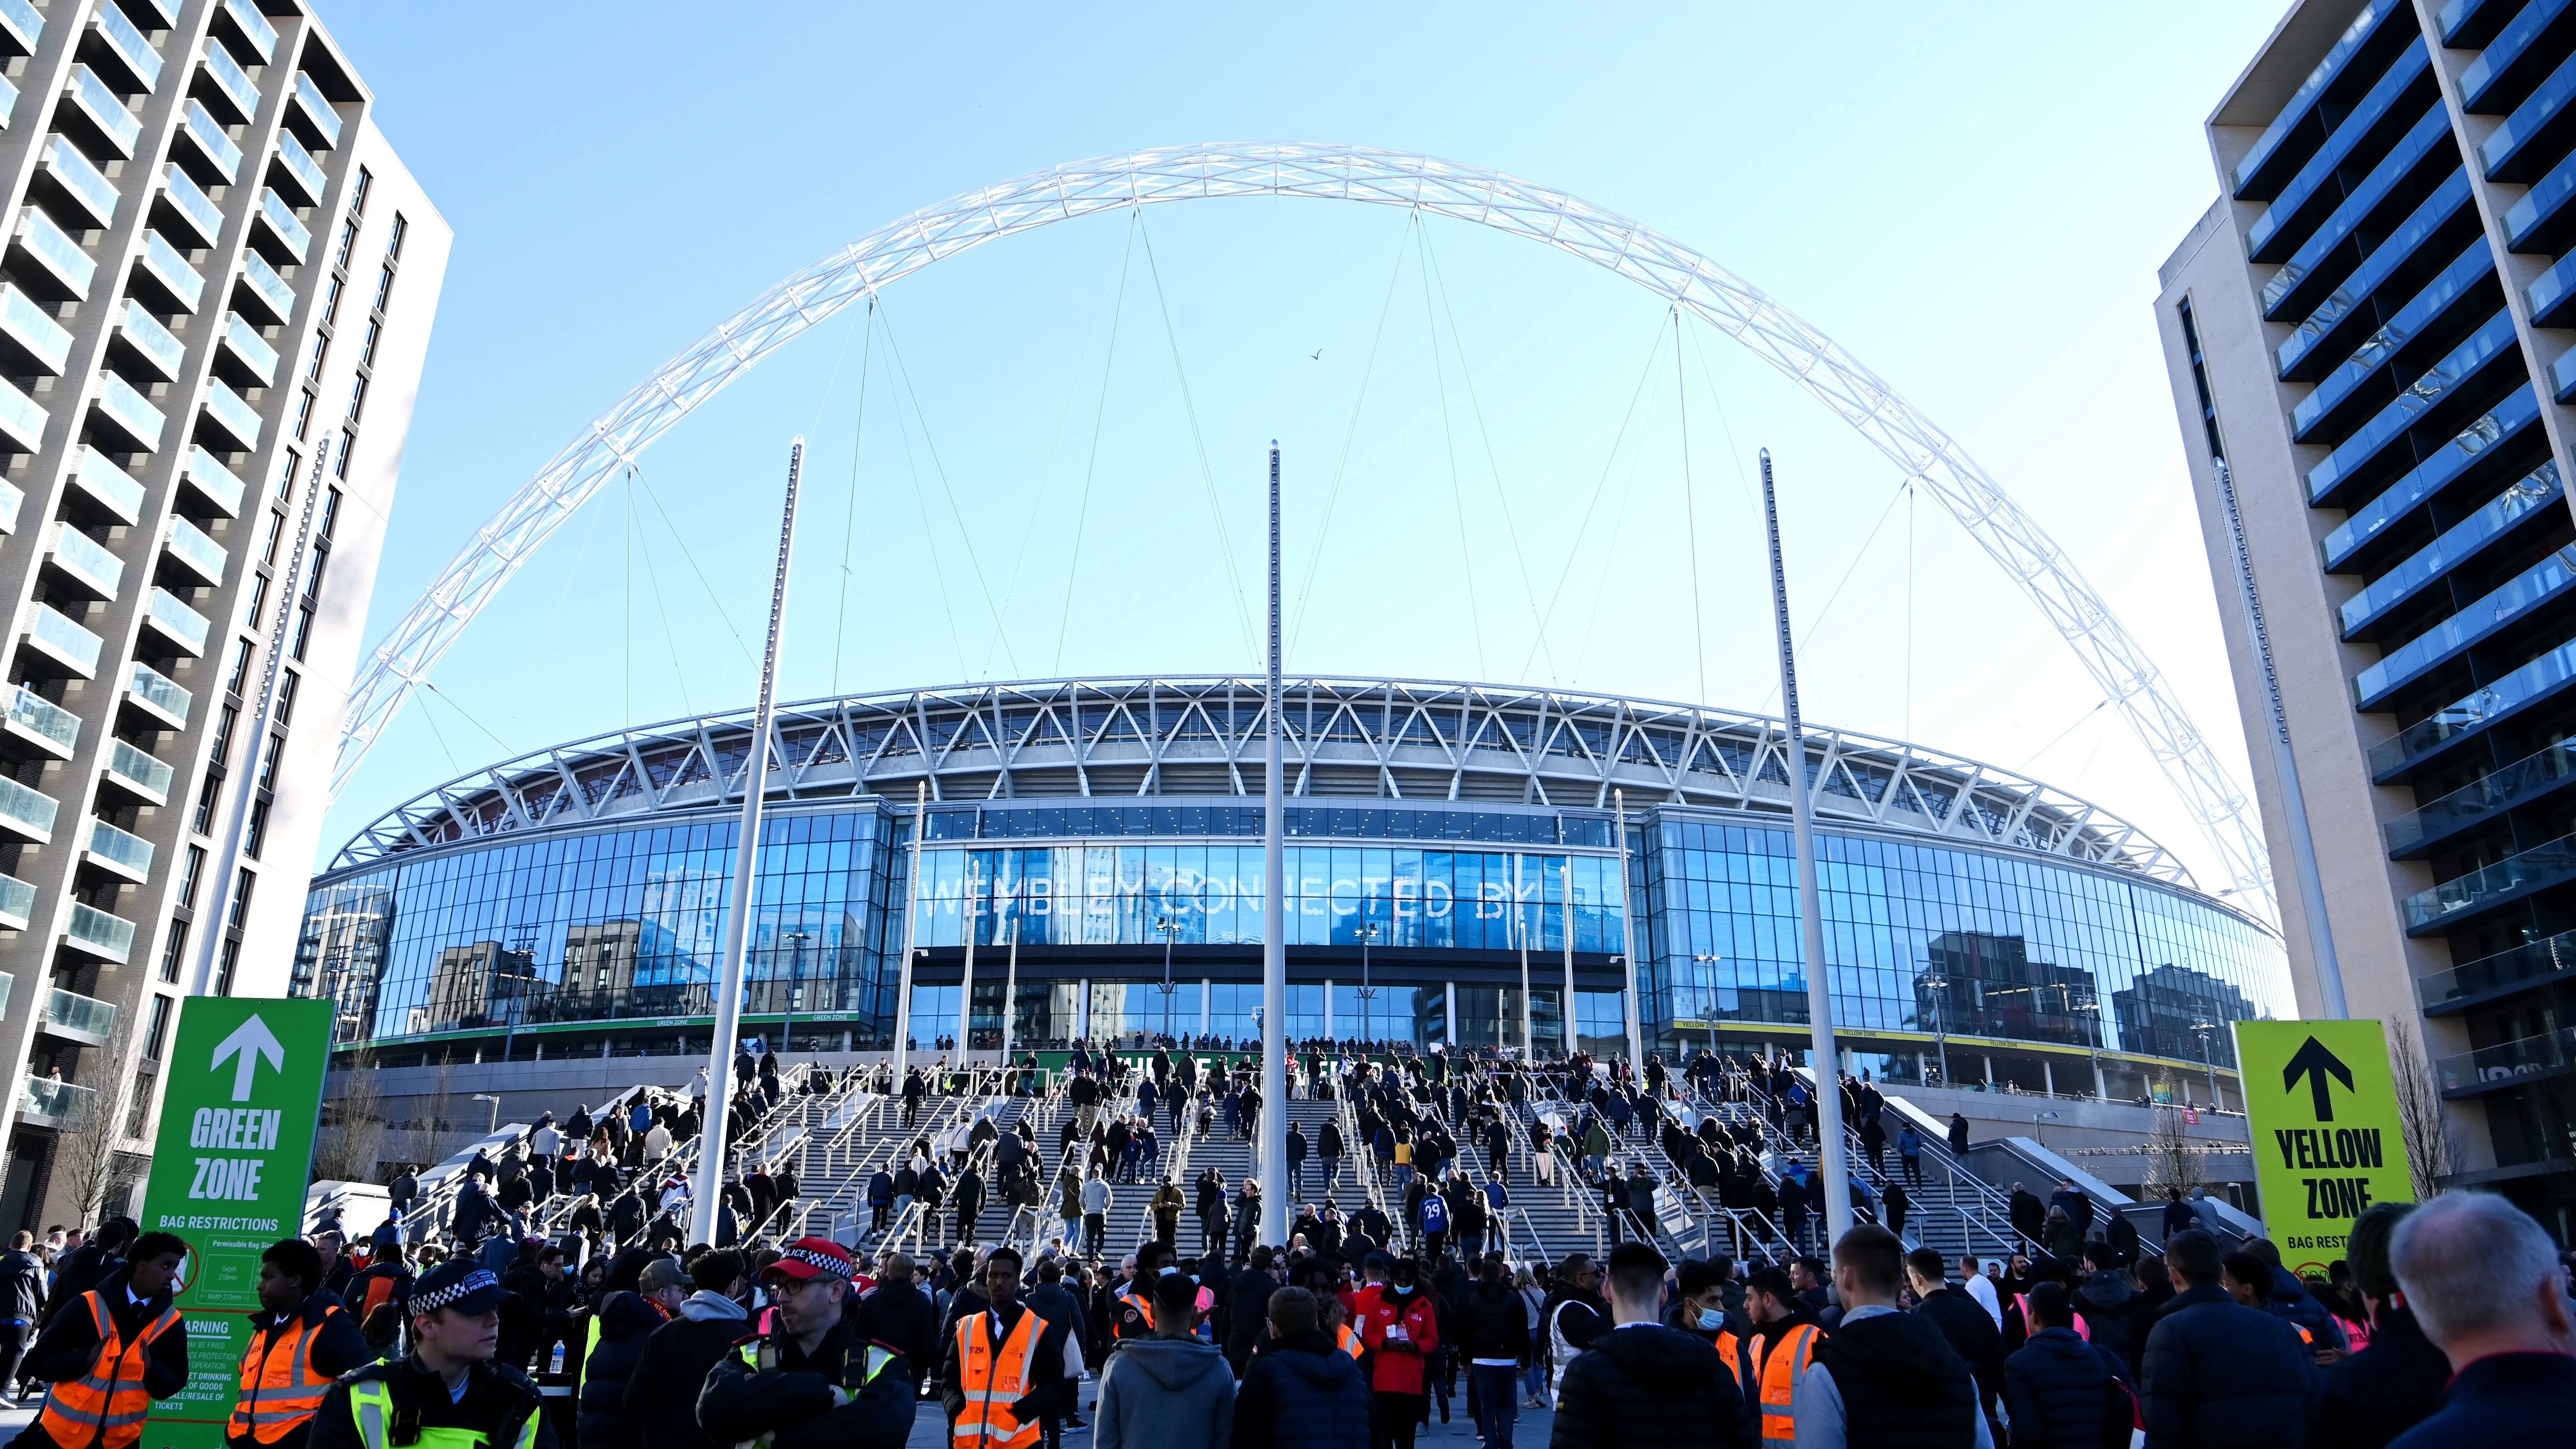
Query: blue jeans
{"points": [[1498, 1403]]}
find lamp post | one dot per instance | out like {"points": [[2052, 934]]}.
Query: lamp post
{"points": [[795, 979], [495, 1124], [1708, 996], [2202, 1029], [1171, 931], [1368, 993]]}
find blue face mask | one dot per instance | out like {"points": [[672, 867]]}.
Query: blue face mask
{"points": [[1710, 1320]]}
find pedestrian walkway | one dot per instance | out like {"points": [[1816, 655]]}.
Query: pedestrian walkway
{"points": [[930, 1426]]}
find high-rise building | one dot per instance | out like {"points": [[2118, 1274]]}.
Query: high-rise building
{"points": [[2372, 327], [215, 297]]}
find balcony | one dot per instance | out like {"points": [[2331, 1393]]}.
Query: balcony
{"points": [[301, 168], [27, 813], [2490, 1068], [215, 481], [2536, 130], [257, 34], [2263, 162], [2542, 220], [40, 722], [17, 908], [184, 627], [2463, 541], [243, 341], [2533, 777], [207, 133], [2533, 963], [231, 81], [119, 853], [35, 332], [11, 500], [82, 560], [42, 1101], [317, 109], [2290, 291], [138, 772], [96, 932], [280, 219], [158, 696], [92, 98], [75, 1017], [2470, 275], [2545, 582], [183, 284], [141, 61], [2446, 210], [8, 103], [20, 22], [236, 418], [22, 423], [106, 484], [130, 412], [268, 287], [2368, 451], [2399, 93], [157, 344], [205, 219], [54, 250], [2507, 61], [2454, 903], [195, 552], [82, 181], [53, 633]]}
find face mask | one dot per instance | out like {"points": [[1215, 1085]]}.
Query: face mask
{"points": [[1711, 1320], [1167, 1272]]}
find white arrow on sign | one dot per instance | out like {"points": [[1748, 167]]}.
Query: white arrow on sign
{"points": [[249, 1042]]}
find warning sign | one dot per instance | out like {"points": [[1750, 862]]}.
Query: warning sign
{"points": [[2327, 1142]]}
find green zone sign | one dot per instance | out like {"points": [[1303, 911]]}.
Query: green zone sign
{"points": [[229, 1170], [2327, 1140]]}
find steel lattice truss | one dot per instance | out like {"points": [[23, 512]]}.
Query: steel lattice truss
{"points": [[1196, 737], [1661, 265]]}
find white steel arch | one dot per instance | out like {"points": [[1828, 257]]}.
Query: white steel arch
{"points": [[1661, 265]]}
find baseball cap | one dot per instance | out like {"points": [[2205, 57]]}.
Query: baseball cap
{"points": [[462, 1285], [659, 1274], [808, 1258]]}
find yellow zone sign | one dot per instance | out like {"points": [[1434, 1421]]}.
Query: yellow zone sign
{"points": [[2327, 1140]]}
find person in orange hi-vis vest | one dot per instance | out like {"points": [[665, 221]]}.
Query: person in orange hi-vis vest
{"points": [[110, 1352], [994, 1380], [1165, 1390], [302, 1338]]}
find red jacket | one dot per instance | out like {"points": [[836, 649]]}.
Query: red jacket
{"points": [[1398, 1362]]}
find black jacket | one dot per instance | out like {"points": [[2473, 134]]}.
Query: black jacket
{"points": [[625, 1321], [2116, 1317], [792, 1401], [2502, 1401], [337, 1347], [2061, 1394], [77, 1272], [1901, 1383], [902, 1318], [1302, 1393], [1493, 1323], [498, 1401], [661, 1409], [70, 1341], [2218, 1374], [1648, 1387], [22, 1286], [2367, 1400], [1973, 1337], [1246, 1309]]}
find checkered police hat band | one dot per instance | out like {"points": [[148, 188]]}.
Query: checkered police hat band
{"points": [[837, 1267], [463, 1288]]}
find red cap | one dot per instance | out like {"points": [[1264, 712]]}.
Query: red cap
{"points": [[813, 1258]]}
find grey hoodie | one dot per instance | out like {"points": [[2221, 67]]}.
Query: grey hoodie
{"points": [[1163, 1391], [705, 1306]]}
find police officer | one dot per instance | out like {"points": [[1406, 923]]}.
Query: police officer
{"points": [[109, 1352], [447, 1393], [303, 1337], [813, 1381]]}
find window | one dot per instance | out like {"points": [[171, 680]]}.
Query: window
{"points": [[174, 950], [268, 762], [348, 241], [224, 733], [195, 867], [286, 682], [242, 651], [158, 1033], [349, 440], [367, 349], [138, 1111], [313, 365], [258, 834], [286, 463], [303, 413], [258, 601], [245, 881], [331, 301], [225, 961], [330, 511], [402, 228], [204, 824], [357, 405], [303, 630], [358, 193], [268, 550], [384, 287]]}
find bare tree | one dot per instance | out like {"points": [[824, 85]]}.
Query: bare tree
{"points": [[2431, 1152], [2171, 1162], [429, 1126], [85, 1144], [352, 1133]]}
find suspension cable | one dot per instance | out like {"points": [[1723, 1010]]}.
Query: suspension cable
{"points": [[1609, 463], [930, 445], [850, 518], [1332, 495], [1690, 510], [1091, 460], [1198, 439], [1457, 491]]}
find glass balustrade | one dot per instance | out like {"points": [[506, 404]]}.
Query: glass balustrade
{"points": [[184, 625], [81, 556], [17, 907], [109, 935], [67, 640], [216, 481], [281, 219], [300, 165], [47, 1102], [129, 45], [163, 261], [2499, 790], [34, 329], [232, 80], [2509, 879], [121, 848], [156, 691], [104, 107], [87, 184], [194, 547], [108, 483], [68, 1013], [2507, 1060], [2513, 969], [27, 810], [21, 420], [130, 410], [238, 418], [159, 345], [271, 289], [40, 716], [12, 498], [208, 133], [138, 770], [255, 28], [22, 22], [250, 347], [316, 105], [49, 244], [192, 202]]}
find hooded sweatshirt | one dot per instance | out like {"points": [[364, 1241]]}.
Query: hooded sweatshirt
{"points": [[1163, 1391], [2114, 1315], [1644, 1386]]}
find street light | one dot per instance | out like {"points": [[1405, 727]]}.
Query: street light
{"points": [[2202, 1029], [795, 978], [496, 1111], [1938, 985], [1708, 1004], [1368, 993], [1171, 930]]}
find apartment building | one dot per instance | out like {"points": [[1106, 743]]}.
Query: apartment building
{"points": [[215, 298], [2372, 328]]}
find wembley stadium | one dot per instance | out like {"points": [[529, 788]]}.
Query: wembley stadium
{"points": [[1089, 867]]}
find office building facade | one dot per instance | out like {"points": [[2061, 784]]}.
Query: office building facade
{"points": [[215, 299], [1091, 868], [2371, 327]]}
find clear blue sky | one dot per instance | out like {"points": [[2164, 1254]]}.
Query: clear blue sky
{"points": [[1970, 198]]}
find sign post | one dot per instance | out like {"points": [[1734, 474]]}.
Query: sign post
{"points": [[229, 1170], [2322, 1109]]}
